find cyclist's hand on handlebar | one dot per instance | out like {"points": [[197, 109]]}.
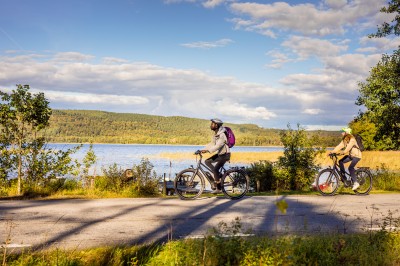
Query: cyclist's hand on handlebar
{"points": [[197, 152]]}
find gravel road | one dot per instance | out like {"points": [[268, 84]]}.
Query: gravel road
{"points": [[78, 224]]}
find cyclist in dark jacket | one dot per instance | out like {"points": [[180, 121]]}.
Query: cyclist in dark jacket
{"points": [[219, 145]]}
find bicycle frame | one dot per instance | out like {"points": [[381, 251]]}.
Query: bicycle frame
{"points": [[336, 168], [200, 169]]}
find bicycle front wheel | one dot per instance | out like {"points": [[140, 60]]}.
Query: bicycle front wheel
{"points": [[189, 184], [364, 178], [235, 183], [327, 182]]}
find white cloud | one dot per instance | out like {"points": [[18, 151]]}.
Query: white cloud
{"points": [[208, 45], [147, 88], [279, 59], [90, 98], [306, 47], [213, 3], [312, 111], [307, 18], [72, 57], [336, 4], [379, 45], [227, 107]]}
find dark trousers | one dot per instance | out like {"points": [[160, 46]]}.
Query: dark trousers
{"points": [[215, 163], [354, 161]]}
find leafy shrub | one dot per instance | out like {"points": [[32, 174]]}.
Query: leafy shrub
{"points": [[261, 175], [145, 180], [71, 184], [112, 179], [385, 179], [299, 157]]}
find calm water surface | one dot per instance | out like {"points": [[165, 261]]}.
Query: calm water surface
{"points": [[127, 155]]}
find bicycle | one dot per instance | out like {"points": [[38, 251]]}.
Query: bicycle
{"points": [[190, 182], [328, 180]]}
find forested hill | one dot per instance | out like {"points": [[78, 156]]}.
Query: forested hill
{"points": [[81, 126]]}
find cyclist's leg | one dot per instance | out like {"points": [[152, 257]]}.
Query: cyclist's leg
{"points": [[342, 161], [215, 163], [352, 171], [209, 162], [220, 161]]}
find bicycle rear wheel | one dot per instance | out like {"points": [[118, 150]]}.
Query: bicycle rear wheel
{"points": [[327, 182], [364, 178], [235, 183], [188, 184]]}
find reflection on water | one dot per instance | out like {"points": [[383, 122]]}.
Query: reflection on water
{"points": [[127, 155]]}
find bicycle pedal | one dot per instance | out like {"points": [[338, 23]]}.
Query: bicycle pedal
{"points": [[347, 183]]}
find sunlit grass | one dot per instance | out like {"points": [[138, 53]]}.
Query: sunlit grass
{"points": [[237, 157], [372, 159]]}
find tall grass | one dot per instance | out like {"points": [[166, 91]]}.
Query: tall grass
{"points": [[372, 159], [380, 248]]}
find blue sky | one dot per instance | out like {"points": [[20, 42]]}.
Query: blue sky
{"points": [[261, 62]]}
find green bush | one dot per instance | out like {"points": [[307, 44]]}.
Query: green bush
{"points": [[261, 175], [112, 179], [299, 157], [145, 180], [384, 179], [71, 184]]}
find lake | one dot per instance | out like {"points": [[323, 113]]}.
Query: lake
{"points": [[127, 155]]}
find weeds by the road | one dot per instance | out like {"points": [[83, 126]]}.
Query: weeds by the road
{"points": [[226, 245]]}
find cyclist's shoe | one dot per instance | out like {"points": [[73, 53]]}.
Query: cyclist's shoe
{"points": [[217, 191], [355, 186], [219, 186]]}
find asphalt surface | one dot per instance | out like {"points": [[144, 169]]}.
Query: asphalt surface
{"points": [[78, 224]]}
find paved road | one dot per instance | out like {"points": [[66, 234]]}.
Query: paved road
{"points": [[79, 224]]}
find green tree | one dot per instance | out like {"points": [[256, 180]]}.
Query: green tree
{"points": [[88, 161], [43, 164], [299, 157], [367, 130], [392, 27], [22, 116], [380, 93]]}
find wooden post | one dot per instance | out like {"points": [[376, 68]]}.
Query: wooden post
{"points": [[164, 186]]}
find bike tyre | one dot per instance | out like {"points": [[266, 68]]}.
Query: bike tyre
{"points": [[235, 183], [321, 182], [186, 191], [364, 178]]}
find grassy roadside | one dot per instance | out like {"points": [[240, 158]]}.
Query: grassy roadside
{"points": [[372, 159], [377, 248]]}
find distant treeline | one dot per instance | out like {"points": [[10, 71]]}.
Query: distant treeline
{"points": [[82, 126]]}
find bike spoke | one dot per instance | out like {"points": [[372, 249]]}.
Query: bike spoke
{"points": [[235, 184], [364, 178], [187, 185], [327, 182]]}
